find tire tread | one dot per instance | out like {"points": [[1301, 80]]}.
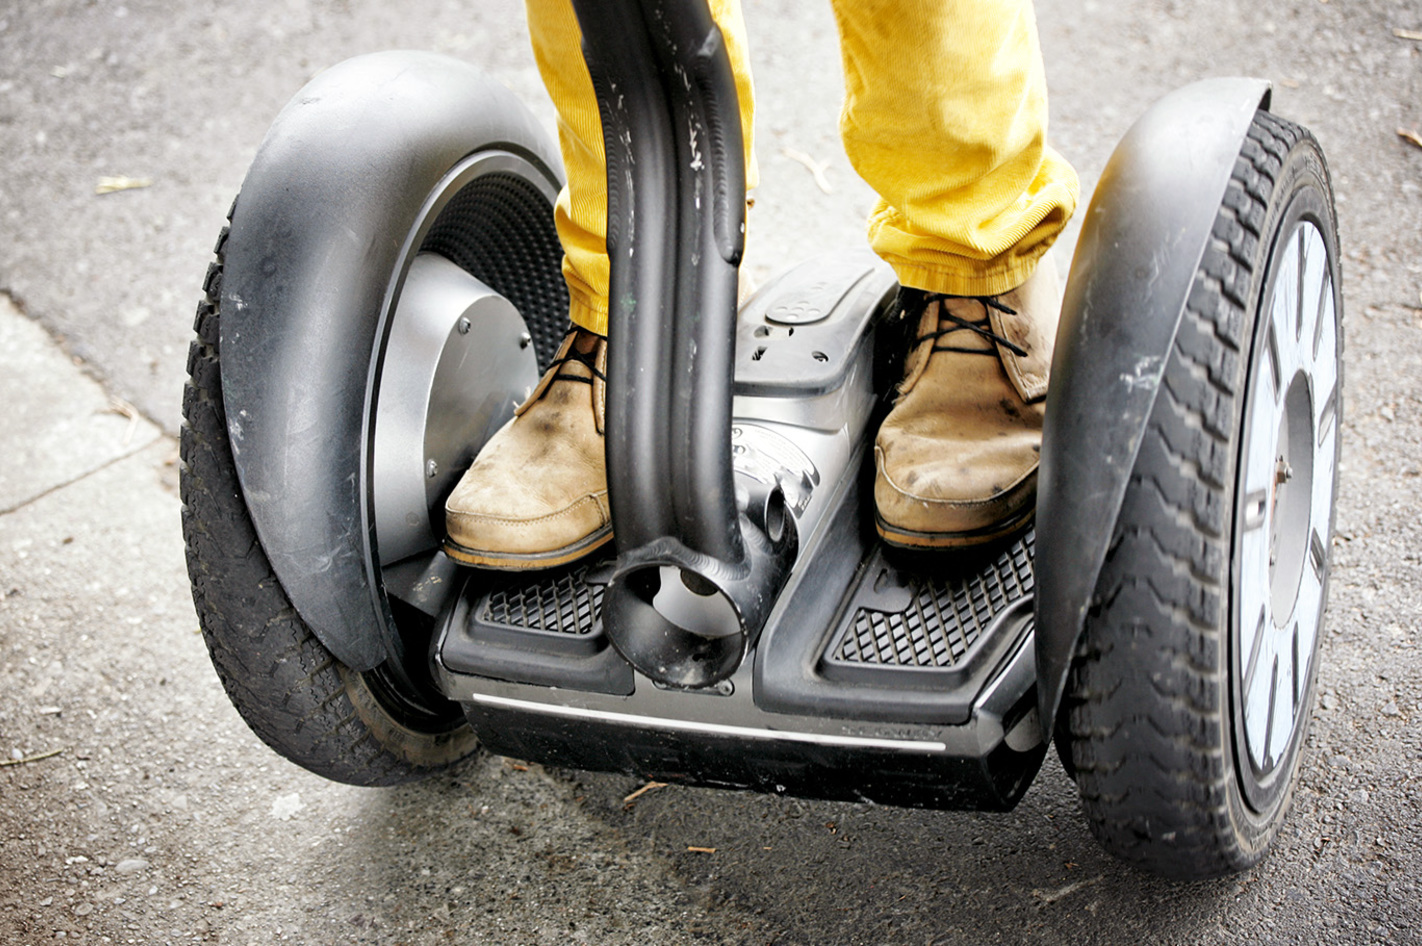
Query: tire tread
{"points": [[289, 689], [1146, 707]]}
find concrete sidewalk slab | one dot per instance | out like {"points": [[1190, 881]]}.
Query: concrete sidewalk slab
{"points": [[135, 805], [58, 424]]}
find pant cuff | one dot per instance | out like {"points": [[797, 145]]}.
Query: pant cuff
{"points": [[998, 278], [589, 313]]}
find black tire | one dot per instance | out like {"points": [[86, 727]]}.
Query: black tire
{"points": [[400, 198], [360, 728], [1153, 723]]}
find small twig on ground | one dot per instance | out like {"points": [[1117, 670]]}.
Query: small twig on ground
{"points": [[1401, 33], [701, 850], [650, 786], [118, 405], [817, 168], [1049, 897], [1410, 136], [32, 758], [112, 185]]}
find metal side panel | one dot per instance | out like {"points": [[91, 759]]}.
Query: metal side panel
{"points": [[1141, 243], [315, 238]]}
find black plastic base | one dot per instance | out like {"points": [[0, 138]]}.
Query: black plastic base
{"points": [[875, 683], [866, 633], [879, 776], [544, 629], [876, 676]]}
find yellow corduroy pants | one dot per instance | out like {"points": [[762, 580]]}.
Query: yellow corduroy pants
{"points": [[945, 117]]}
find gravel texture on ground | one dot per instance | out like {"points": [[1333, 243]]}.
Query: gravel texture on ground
{"points": [[160, 819]]}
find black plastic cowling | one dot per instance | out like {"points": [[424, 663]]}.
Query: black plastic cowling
{"points": [[676, 221], [315, 245], [1141, 243]]}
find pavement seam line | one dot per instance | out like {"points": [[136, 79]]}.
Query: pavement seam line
{"points": [[85, 475]]}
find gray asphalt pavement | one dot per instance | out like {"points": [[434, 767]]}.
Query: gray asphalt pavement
{"points": [[136, 807]]}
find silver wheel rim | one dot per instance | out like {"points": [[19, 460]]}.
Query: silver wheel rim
{"points": [[1285, 506]]}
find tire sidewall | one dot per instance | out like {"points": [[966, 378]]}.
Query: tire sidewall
{"points": [[433, 748]]}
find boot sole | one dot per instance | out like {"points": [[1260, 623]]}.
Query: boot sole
{"points": [[527, 561], [908, 539]]}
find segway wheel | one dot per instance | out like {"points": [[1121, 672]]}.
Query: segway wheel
{"points": [[1188, 702], [424, 300], [363, 728]]}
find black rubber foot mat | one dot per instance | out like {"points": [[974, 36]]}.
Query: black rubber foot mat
{"points": [[902, 620], [542, 628], [554, 602]]}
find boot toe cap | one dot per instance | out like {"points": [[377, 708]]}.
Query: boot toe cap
{"points": [[496, 530], [950, 503]]}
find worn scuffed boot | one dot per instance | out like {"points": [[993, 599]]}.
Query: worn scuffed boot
{"points": [[956, 459], [536, 495]]}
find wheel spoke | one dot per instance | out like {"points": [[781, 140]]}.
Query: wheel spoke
{"points": [[1259, 685], [1325, 423], [1254, 575], [1266, 717], [1325, 333], [1284, 316], [1261, 432], [1313, 281], [1281, 708], [1256, 509], [1308, 612], [1256, 648], [1321, 502], [1324, 376], [1275, 361]]}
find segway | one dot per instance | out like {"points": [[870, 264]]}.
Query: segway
{"points": [[389, 290]]}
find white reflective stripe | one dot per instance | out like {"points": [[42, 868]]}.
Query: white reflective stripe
{"points": [[712, 729]]}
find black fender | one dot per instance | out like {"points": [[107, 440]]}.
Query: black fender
{"points": [[1141, 242], [310, 269]]}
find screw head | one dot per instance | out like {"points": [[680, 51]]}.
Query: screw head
{"points": [[464, 326], [525, 340], [431, 469]]}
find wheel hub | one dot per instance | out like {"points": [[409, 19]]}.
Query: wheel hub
{"points": [[458, 360]]}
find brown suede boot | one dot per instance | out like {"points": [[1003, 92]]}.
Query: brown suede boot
{"points": [[536, 495], [956, 459]]}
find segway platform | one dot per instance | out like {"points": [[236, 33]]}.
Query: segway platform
{"points": [[921, 661], [1160, 621]]}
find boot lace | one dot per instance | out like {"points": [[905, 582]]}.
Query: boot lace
{"points": [[956, 323], [588, 359]]}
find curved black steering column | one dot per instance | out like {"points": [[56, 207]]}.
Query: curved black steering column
{"points": [[676, 227]]}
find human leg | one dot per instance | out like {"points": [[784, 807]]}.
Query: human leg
{"points": [[945, 116], [581, 213]]}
